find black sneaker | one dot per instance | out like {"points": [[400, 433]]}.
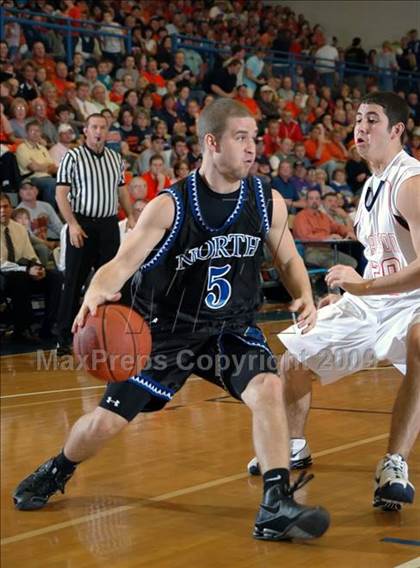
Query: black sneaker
{"points": [[281, 518], [35, 490], [64, 349]]}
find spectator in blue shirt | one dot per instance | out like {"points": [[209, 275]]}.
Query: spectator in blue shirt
{"points": [[284, 185]]}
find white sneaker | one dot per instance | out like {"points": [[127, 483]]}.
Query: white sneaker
{"points": [[300, 457], [392, 487]]}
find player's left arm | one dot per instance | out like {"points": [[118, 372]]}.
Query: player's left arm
{"points": [[290, 265], [407, 279]]}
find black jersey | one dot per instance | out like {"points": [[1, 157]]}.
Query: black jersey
{"points": [[202, 276]]}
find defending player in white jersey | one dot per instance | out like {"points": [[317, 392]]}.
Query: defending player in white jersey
{"points": [[356, 330]]}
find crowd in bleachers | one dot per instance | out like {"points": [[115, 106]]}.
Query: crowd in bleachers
{"points": [[151, 98]]}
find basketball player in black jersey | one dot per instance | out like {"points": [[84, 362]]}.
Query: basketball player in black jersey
{"points": [[199, 249]]}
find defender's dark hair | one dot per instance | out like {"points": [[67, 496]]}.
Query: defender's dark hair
{"points": [[395, 108]]}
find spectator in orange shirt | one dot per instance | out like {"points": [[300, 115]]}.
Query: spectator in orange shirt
{"points": [[155, 178], [289, 128], [60, 80], [318, 151], [153, 76], [40, 59], [137, 190], [244, 98], [271, 138], [337, 148], [311, 224]]}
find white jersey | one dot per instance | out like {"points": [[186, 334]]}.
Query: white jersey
{"points": [[381, 228]]}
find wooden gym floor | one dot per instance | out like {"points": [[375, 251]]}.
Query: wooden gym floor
{"points": [[172, 492]]}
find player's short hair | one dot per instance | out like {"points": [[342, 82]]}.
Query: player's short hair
{"points": [[213, 118], [395, 108]]}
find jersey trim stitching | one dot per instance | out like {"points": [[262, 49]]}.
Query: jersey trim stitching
{"points": [[195, 206], [179, 217], [261, 204], [158, 390]]}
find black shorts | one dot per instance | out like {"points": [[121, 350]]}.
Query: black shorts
{"points": [[229, 359]]}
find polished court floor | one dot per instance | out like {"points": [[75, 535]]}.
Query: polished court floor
{"points": [[172, 492]]}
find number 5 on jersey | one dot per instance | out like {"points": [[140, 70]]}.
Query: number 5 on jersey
{"points": [[219, 289]]}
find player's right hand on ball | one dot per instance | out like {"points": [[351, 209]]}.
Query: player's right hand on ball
{"points": [[328, 299], [90, 305]]}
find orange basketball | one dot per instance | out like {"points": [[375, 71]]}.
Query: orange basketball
{"points": [[114, 344]]}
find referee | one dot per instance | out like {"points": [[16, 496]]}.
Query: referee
{"points": [[90, 182]]}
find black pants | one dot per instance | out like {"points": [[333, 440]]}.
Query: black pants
{"points": [[19, 286], [100, 247]]}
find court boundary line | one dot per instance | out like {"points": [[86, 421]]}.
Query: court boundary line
{"points": [[36, 393], [170, 495], [413, 563]]}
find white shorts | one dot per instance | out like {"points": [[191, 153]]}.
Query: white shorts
{"points": [[350, 336]]}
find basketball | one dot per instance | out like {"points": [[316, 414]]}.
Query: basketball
{"points": [[114, 344]]}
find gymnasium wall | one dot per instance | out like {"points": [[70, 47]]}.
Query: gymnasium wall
{"points": [[372, 20]]}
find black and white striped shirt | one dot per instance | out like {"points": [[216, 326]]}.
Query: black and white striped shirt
{"points": [[94, 180]]}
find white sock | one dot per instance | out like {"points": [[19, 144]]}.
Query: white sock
{"points": [[297, 444]]}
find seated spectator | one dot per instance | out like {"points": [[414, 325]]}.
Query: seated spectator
{"points": [[357, 170], [35, 162], [19, 111], [311, 224], [21, 274], [289, 128], [271, 138], [113, 137], [300, 154], [284, 153], [339, 184], [321, 179], [195, 156], [45, 223], [116, 94], [331, 207], [101, 100], [299, 178], [84, 105], [138, 206], [131, 100], [130, 132], [414, 145], [103, 74], [284, 185], [156, 148], [191, 116], [137, 190], [142, 120], [181, 170], [168, 113], [250, 103], [179, 150], [286, 91], [40, 58], [42, 248], [155, 177], [179, 72], [268, 103], [154, 77], [39, 113], [222, 82], [66, 136], [129, 67], [336, 146], [317, 149], [263, 163], [311, 179], [60, 80], [28, 89]]}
